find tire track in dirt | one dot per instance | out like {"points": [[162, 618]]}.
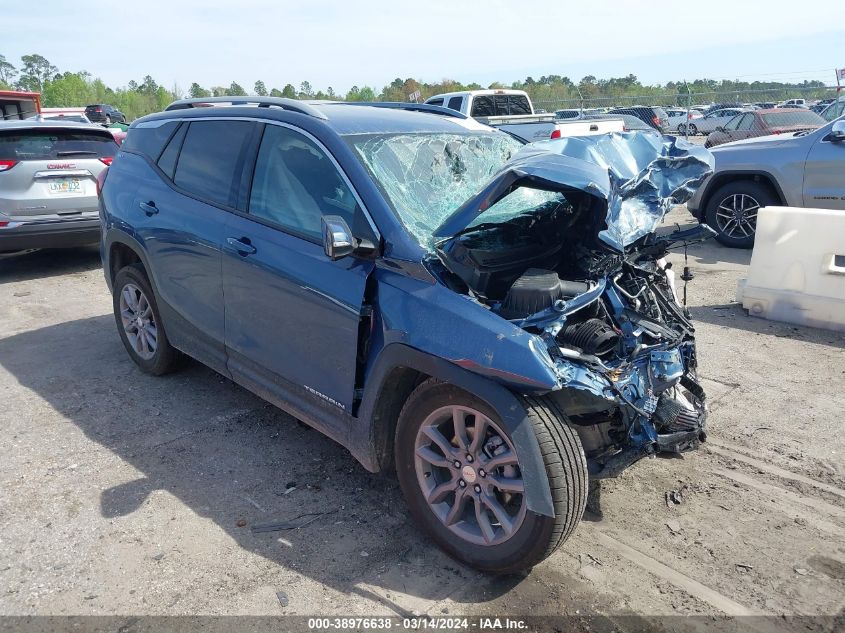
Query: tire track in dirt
{"points": [[677, 578], [789, 499], [720, 448]]}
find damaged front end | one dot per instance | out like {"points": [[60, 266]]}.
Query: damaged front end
{"points": [[562, 243]]}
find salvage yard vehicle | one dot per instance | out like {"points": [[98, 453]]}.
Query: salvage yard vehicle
{"points": [[48, 183], [765, 123], [494, 321], [709, 122], [104, 113], [679, 116], [800, 169], [653, 116], [512, 111]]}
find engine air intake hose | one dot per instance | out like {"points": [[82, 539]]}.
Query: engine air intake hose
{"points": [[593, 336]]}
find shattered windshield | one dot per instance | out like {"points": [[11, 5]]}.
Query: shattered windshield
{"points": [[428, 176]]}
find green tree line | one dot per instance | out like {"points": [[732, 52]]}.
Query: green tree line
{"points": [[73, 89]]}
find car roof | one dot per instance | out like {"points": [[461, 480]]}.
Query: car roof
{"points": [[482, 92], [345, 118], [776, 110]]}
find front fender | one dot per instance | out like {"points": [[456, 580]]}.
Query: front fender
{"points": [[442, 323], [513, 415]]}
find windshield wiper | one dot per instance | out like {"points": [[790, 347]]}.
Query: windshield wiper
{"points": [[76, 152]]}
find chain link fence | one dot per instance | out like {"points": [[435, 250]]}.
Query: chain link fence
{"points": [[684, 106]]}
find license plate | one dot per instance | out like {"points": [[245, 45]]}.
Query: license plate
{"points": [[66, 185]]}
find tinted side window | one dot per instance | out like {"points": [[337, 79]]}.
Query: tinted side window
{"points": [[437, 102], [295, 183], [167, 161], [149, 140], [455, 103], [209, 158], [483, 106]]}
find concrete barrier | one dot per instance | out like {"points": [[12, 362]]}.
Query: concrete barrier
{"points": [[797, 271]]}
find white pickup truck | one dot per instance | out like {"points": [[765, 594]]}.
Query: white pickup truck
{"points": [[511, 111]]}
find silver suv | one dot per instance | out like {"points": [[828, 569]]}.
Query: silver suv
{"points": [[803, 169], [48, 183]]}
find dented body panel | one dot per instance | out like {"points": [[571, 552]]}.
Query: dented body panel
{"points": [[505, 271], [637, 395]]}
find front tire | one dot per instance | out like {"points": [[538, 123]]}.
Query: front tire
{"points": [[139, 322], [466, 490], [732, 211]]}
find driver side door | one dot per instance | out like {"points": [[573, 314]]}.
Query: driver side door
{"points": [[824, 174], [292, 314]]}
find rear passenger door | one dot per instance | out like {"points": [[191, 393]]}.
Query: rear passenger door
{"points": [[180, 218], [292, 314]]}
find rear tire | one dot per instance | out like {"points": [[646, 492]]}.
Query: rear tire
{"points": [[139, 322], [107, 120], [740, 199], [692, 129], [533, 537]]}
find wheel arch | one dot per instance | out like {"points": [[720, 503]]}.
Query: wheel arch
{"points": [[720, 179], [396, 373], [120, 250]]}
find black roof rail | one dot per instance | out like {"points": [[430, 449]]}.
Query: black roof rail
{"points": [[414, 107], [262, 102]]}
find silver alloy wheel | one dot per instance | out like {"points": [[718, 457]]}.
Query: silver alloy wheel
{"points": [[682, 129], [469, 475], [736, 215], [692, 130], [138, 321]]}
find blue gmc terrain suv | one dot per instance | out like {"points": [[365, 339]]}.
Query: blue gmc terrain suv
{"points": [[495, 322]]}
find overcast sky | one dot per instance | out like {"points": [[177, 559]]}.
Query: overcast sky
{"points": [[339, 43]]}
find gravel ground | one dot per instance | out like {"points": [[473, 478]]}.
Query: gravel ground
{"points": [[124, 494]]}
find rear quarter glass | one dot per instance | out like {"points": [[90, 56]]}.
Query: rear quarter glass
{"points": [[149, 141]]}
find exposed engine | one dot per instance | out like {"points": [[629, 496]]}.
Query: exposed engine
{"points": [[563, 242], [612, 322]]}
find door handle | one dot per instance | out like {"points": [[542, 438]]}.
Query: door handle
{"points": [[242, 245], [149, 208]]}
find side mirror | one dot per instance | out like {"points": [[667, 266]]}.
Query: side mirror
{"points": [[837, 132], [337, 238]]}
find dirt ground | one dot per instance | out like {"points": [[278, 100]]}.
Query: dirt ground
{"points": [[131, 495]]}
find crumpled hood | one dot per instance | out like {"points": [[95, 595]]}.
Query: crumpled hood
{"points": [[639, 176]]}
